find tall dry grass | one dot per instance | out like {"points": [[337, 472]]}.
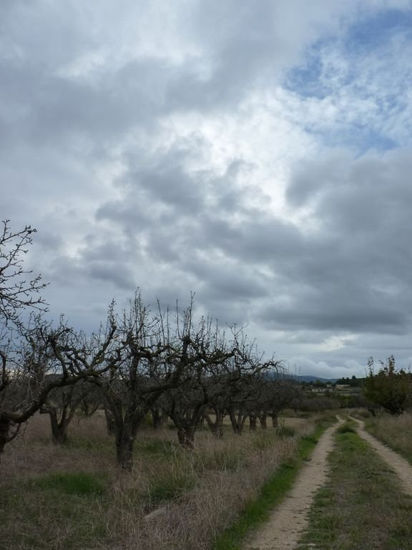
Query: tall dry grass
{"points": [[395, 431], [172, 499]]}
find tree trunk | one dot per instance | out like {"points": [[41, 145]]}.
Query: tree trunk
{"points": [[110, 423], [6, 434], [263, 421], [252, 422], [124, 450], [157, 418], [215, 427], [59, 429], [5, 426], [275, 420], [237, 422], [186, 437]]}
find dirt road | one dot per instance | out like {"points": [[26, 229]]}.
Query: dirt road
{"points": [[289, 519], [397, 463]]}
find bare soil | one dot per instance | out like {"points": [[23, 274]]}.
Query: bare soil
{"points": [[396, 462], [290, 518]]}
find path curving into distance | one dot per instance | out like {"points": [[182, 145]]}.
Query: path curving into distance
{"points": [[396, 462], [288, 520]]}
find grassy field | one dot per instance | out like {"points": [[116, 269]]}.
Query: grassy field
{"points": [[395, 431], [74, 497], [361, 507]]}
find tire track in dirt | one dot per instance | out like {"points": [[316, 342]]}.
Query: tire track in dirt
{"points": [[396, 462], [288, 521]]}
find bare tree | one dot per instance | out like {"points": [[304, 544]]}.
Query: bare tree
{"points": [[19, 289], [21, 388], [62, 404], [39, 359], [144, 368], [244, 391], [200, 354], [25, 382]]}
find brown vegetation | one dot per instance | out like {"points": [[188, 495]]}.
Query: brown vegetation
{"points": [[394, 431], [173, 498]]}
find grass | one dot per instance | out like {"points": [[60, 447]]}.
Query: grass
{"points": [[285, 431], [168, 486], [257, 510], [347, 427], [81, 484], [74, 497], [52, 512], [361, 507], [394, 431]]}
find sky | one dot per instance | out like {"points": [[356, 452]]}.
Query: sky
{"points": [[257, 154]]}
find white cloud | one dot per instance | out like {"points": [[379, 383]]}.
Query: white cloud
{"points": [[336, 342]]}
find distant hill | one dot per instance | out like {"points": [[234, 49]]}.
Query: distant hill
{"points": [[309, 378], [304, 378]]}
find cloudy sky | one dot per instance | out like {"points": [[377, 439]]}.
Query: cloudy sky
{"points": [[256, 153]]}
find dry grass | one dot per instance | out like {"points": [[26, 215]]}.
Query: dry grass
{"points": [[395, 431], [194, 495]]}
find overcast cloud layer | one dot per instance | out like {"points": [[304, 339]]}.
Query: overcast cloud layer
{"points": [[256, 153]]}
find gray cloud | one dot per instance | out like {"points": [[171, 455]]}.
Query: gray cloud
{"points": [[132, 137]]}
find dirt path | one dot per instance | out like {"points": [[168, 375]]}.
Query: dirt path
{"points": [[394, 461], [289, 519]]}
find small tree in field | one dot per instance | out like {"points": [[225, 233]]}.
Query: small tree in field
{"points": [[389, 388]]}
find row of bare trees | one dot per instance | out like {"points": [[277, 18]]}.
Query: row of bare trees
{"points": [[140, 361]]}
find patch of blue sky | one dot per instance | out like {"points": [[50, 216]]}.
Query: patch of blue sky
{"points": [[306, 79], [356, 137], [374, 31], [366, 68], [369, 36]]}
